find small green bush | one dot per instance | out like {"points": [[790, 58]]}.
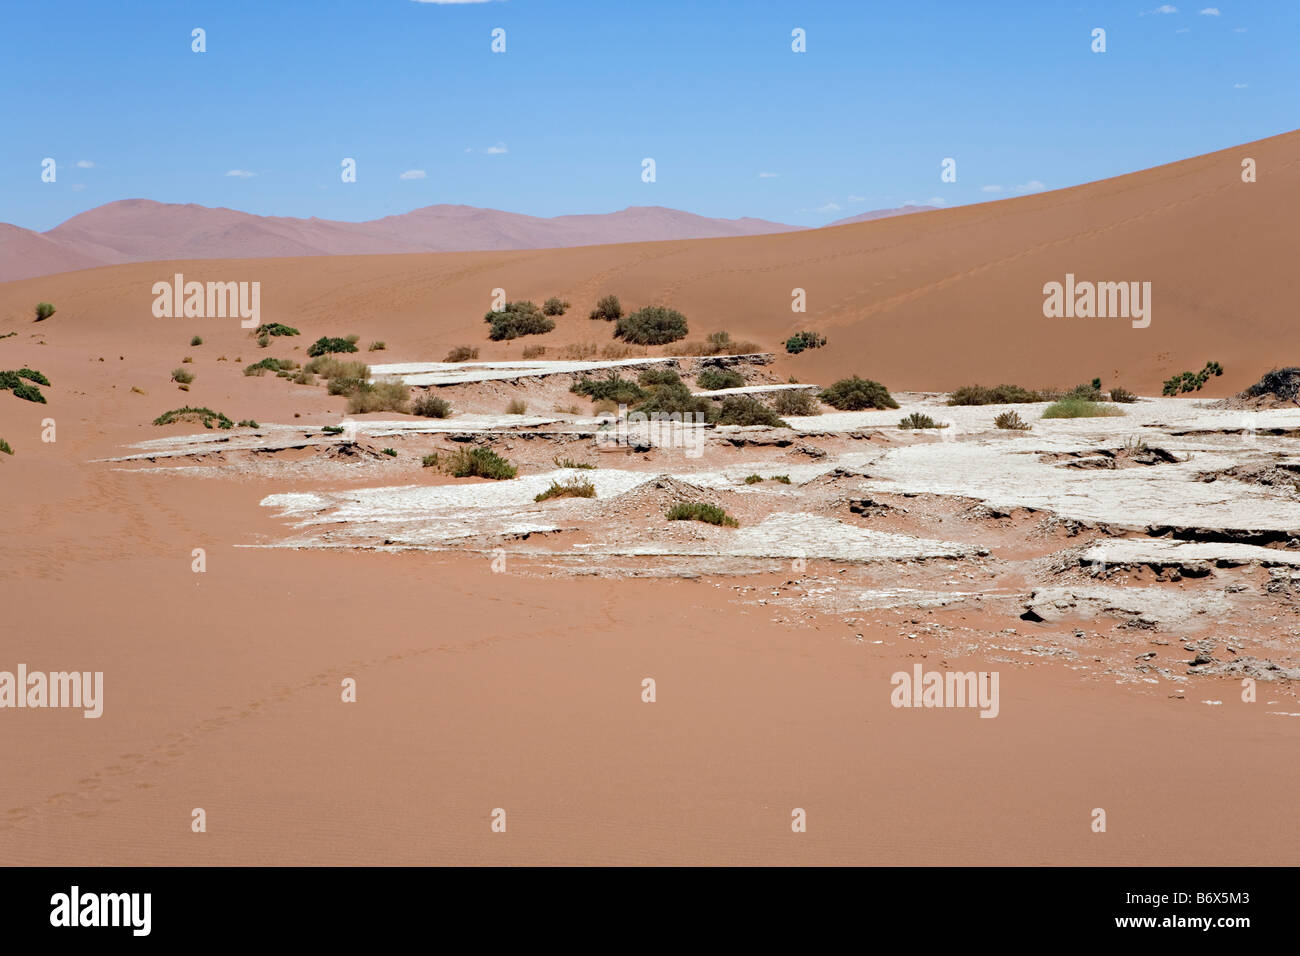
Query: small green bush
{"points": [[379, 397], [274, 328], [333, 429], [608, 308], [712, 379], [182, 376], [325, 346], [43, 311], [1080, 408], [269, 365], [1192, 381], [5, 447], [516, 320], [1011, 421], [854, 394], [699, 511], [249, 423], [1122, 396], [677, 399], [917, 420], [612, 388], [573, 488], [998, 395], [555, 306], [796, 403], [461, 353], [196, 341], [747, 410], [570, 463], [653, 325], [32, 376], [390, 452], [203, 416], [480, 463], [517, 406], [430, 406], [655, 376], [804, 340], [377, 346]]}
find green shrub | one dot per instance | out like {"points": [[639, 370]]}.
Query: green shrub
{"points": [[534, 351], [333, 429], [917, 420], [699, 511], [204, 416], [273, 328], [249, 423], [182, 376], [325, 346], [263, 341], [1085, 393], [658, 375], [1011, 421], [792, 402], [516, 320], [29, 393], [1192, 381], [5, 447], [379, 397], [1080, 408], [747, 410], [433, 460], [377, 346], [608, 308], [10, 380], [804, 340], [339, 385], [196, 341], [555, 306], [570, 463], [43, 311], [269, 365], [854, 394], [718, 343], [677, 399], [612, 388], [478, 463], [712, 379], [753, 479], [653, 325], [461, 353], [998, 395], [328, 367], [1122, 396], [430, 406], [32, 376], [390, 452], [573, 488]]}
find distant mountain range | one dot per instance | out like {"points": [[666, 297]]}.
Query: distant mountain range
{"points": [[141, 230]]}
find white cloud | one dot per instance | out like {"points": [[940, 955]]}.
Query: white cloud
{"points": [[497, 150], [990, 189], [413, 174], [857, 199], [241, 174], [829, 207], [768, 175], [1165, 8], [1032, 186], [1240, 86], [85, 164], [1210, 12]]}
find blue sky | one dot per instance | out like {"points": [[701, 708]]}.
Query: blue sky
{"points": [[738, 124]]}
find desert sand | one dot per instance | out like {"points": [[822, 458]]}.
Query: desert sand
{"points": [[499, 644]]}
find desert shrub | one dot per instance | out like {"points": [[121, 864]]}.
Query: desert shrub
{"points": [[182, 376], [303, 377], [796, 403], [578, 351], [854, 394], [476, 463], [620, 350], [658, 375], [10, 380], [783, 479], [203, 416], [333, 429], [43, 311], [29, 393], [1086, 393], [608, 308], [379, 397], [1122, 396], [613, 388], [432, 460], [188, 360], [328, 367], [6, 447], [677, 399], [555, 306], [998, 395], [430, 406], [325, 346], [570, 463], [568, 409], [534, 351], [377, 346], [653, 325], [917, 420], [573, 488], [461, 353], [712, 379], [518, 319], [604, 406], [390, 452], [197, 340], [804, 340], [32, 376], [747, 410], [517, 406], [753, 479], [1011, 421], [274, 328], [1080, 408], [270, 365], [1191, 381], [248, 423], [342, 385], [699, 511], [263, 341]]}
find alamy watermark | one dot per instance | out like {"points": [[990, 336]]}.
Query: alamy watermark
{"points": [[208, 300], [656, 430], [946, 689], [1100, 300], [37, 689]]}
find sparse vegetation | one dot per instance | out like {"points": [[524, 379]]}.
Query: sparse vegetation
{"points": [[534, 351], [573, 488], [608, 308], [854, 394], [462, 353], [472, 463], [5, 447], [329, 367], [197, 340], [1122, 396], [653, 325], [712, 379], [1011, 421], [1080, 408], [431, 406], [997, 395], [677, 399], [717, 343], [182, 376], [270, 365], [747, 410], [197, 416], [390, 452], [188, 360], [1192, 381], [578, 351], [273, 329], [804, 340], [570, 463], [613, 388], [263, 341], [325, 346], [517, 406], [43, 311], [32, 376], [755, 479], [700, 511], [378, 397], [917, 420], [377, 346], [249, 423], [516, 320], [333, 429], [655, 376], [555, 306], [792, 402]]}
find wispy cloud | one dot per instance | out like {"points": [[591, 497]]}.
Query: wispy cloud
{"points": [[768, 175], [1032, 186], [857, 199], [241, 174], [829, 207], [498, 150], [1163, 8], [990, 189], [85, 164], [413, 174], [1210, 12], [1240, 86]]}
